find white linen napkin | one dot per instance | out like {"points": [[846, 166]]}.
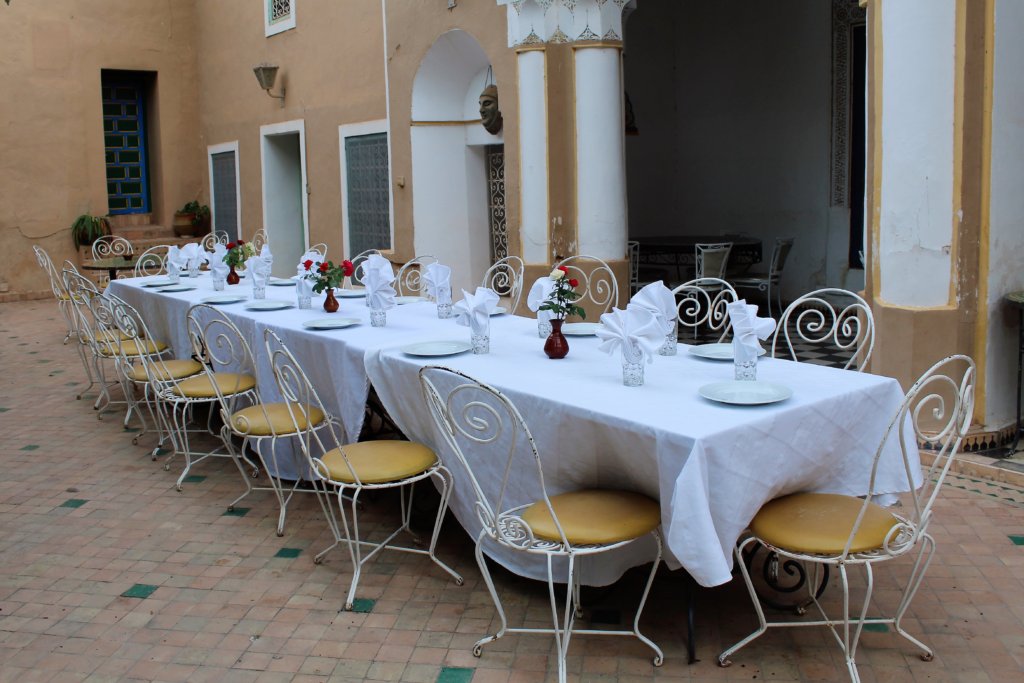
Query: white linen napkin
{"points": [[303, 288], [219, 269], [747, 329], [658, 299], [474, 311], [437, 279], [260, 265], [311, 255], [176, 260], [635, 331], [377, 277], [539, 293], [194, 255]]}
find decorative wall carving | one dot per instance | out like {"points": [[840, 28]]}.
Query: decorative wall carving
{"points": [[533, 22]]}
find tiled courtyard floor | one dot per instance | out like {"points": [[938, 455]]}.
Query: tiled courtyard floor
{"points": [[108, 573]]}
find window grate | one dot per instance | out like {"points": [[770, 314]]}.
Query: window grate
{"points": [[280, 10], [368, 187]]}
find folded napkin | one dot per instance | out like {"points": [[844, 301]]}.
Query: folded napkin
{"points": [[260, 265], [659, 300], [176, 260], [539, 293], [311, 255], [474, 311], [437, 279], [377, 278], [219, 269], [747, 329], [303, 288], [194, 255], [634, 331]]}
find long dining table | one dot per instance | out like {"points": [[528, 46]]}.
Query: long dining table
{"points": [[711, 465]]}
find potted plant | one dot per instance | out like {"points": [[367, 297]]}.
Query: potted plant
{"points": [[86, 228], [192, 220]]}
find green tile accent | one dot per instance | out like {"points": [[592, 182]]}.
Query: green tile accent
{"points": [[162, 451], [237, 512], [73, 503], [363, 605], [140, 590], [131, 429], [288, 552], [1017, 540], [44, 360], [4, 410], [454, 674], [877, 628], [56, 372], [194, 478], [70, 384], [32, 353], [30, 447]]}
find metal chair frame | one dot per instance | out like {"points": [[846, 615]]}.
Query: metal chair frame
{"points": [[301, 398], [633, 253], [935, 412], [475, 414], [703, 302], [358, 266], [320, 247], [259, 238], [506, 278], [213, 237], [225, 349], [60, 293], [153, 261], [819, 319], [409, 281], [765, 282], [111, 246], [597, 281], [706, 254]]}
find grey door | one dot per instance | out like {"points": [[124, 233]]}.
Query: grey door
{"points": [[367, 186], [225, 194]]}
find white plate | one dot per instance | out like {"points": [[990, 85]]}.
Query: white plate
{"points": [[280, 282], [410, 299], [330, 323], [437, 348], [580, 329], [267, 305], [225, 299], [162, 282], [499, 310], [177, 288], [745, 393], [350, 293], [715, 351]]}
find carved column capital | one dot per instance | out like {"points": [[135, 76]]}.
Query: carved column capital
{"points": [[538, 22]]}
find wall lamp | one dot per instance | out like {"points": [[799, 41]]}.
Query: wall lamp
{"points": [[266, 74]]}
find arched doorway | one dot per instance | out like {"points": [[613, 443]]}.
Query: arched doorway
{"points": [[455, 162]]}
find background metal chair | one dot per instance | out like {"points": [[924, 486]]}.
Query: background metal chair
{"points": [[772, 280], [827, 320], [711, 260], [358, 262], [153, 261], [498, 463], [259, 238], [598, 284], [111, 246], [844, 532], [701, 304], [506, 278], [213, 237], [408, 281], [57, 287], [348, 469], [320, 247]]}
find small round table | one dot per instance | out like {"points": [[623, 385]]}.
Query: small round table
{"points": [[112, 265], [1016, 300]]}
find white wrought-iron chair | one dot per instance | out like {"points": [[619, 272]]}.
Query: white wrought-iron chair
{"points": [[153, 261], [842, 532], [409, 281], [598, 285], [358, 264], [261, 426], [259, 238], [111, 246], [320, 247], [633, 254], [213, 237], [829, 318], [506, 278], [348, 469], [60, 293], [703, 303], [772, 280], [498, 463], [711, 260]]}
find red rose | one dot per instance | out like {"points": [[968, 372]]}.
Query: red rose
{"points": [[241, 242], [307, 264], [563, 269], [346, 267], [230, 245], [573, 282], [323, 267]]}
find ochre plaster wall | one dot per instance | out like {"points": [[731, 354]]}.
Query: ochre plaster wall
{"points": [[51, 137]]}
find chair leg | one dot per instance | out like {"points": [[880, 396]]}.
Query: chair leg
{"points": [[723, 658], [924, 558], [481, 562], [659, 656]]}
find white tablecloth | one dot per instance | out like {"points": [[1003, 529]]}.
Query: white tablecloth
{"points": [[711, 465]]}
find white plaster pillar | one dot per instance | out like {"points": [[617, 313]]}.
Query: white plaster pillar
{"points": [[600, 153], [533, 155]]}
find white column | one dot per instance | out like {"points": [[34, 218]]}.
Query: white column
{"points": [[533, 156], [600, 153]]}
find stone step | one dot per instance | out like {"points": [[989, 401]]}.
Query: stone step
{"points": [[126, 220], [145, 231]]}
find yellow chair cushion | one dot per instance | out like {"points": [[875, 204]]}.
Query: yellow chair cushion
{"points": [[202, 386], [595, 516], [169, 369], [104, 336], [820, 523], [131, 347], [276, 420], [378, 462]]}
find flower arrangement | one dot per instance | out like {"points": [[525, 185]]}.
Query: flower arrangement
{"points": [[238, 252], [560, 301], [326, 275]]}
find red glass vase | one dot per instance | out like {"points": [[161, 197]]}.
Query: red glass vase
{"points": [[330, 303], [556, 345], [233, 278]]}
